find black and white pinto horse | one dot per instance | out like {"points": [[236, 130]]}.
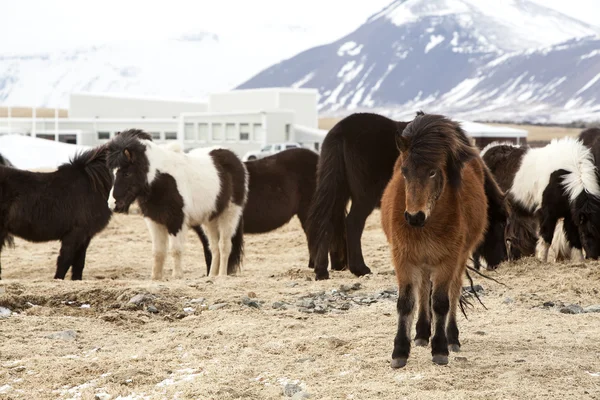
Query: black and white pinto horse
{"points": [[558, 181], [175, 191]]}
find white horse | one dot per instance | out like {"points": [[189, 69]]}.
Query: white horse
{"points": [[175, 191]]}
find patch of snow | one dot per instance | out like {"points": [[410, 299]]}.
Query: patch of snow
{"points": [[26, 152], [591, 54], [434, 40], [454, 41], [304, 80], [346, 48], [5, 388], [588, 85]]}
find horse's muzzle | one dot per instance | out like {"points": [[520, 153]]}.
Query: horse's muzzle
{"points": [[416, 220], [121, 207]]}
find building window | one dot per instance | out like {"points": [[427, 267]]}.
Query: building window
{"points": [[259, 133], [45, 136], [203, 132], [103, 135], [170, 135], [317, 146], [230, 132], [287, 132], [68, 138], [189, 131], [217, 132], [245, 132], [155, 135], [290, 146]]}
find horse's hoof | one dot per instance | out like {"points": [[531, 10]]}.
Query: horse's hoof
{"points": [[398, 362], [360, 271], [321, 276], [421, 342], [440, 359], [454, 347]]}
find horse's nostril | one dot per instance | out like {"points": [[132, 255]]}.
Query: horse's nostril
{"points": [[417, 219]]}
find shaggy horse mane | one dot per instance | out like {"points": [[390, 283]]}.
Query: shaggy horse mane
{"points": [[93, 163], [430, 137]]}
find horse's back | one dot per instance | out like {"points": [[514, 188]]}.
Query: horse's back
{"points": [[43, 206], [369, 149], [589, 136]]}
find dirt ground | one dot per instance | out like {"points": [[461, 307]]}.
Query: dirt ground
{"points": [[85, 340]]}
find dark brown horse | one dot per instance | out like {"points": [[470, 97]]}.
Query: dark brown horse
{"points": [[280, 186], [434, 215], [357, 161], [69, 205]]}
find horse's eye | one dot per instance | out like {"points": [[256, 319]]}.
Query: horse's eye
{"points": [[432, 173]]}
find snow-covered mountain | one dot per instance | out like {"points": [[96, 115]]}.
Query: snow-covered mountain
{"points": [[497, 59]]}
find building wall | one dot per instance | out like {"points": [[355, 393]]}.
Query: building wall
{"points": [[305, 106], [241, 100], [105, 106]]}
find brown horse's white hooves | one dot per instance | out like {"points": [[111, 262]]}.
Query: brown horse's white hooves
{"points": [[440, 359], [398, 362], [421, 342], [454, 347]]}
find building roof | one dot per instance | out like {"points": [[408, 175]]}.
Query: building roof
{"points": [[140, 97], [270, 89]]}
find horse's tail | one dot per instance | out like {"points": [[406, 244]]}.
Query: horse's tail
{"points": [[237, 248], [325, 222], [493, 248], [206, 246]]}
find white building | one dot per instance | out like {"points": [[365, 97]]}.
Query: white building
{"points": [[241, 120]]}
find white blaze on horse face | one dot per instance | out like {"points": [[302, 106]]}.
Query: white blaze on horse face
{"points": [[538, 164], [111, 200]]}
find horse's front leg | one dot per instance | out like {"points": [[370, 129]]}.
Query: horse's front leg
{"points": [[573, 237], [159, 235], [177, 243], [547, 220], [405, 308], [442, 278]]}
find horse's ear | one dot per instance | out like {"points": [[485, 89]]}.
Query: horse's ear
{"points": [[402, 143], [128, 155]]}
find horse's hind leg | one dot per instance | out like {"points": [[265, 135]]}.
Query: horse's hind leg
{"points": [[177, 244], [424, 320], [159, 235], [205, 246], [228, 222], [212, 232], [572, 233], [355, 224], [79, 261], [66, 256]]}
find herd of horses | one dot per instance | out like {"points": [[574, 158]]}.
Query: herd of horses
{"points": [[443, 202]]}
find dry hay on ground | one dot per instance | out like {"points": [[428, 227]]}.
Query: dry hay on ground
{"points": [[223, 338]]}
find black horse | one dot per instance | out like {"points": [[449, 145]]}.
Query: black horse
{"points": [[69, 205]]}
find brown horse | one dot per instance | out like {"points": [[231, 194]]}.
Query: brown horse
{"points": [[589, 136], [434, 214], [280, 186]]}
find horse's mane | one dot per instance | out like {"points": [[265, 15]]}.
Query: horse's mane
{"points": [[130, 139], [93, 163], [430, 137], [497, 144]]}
